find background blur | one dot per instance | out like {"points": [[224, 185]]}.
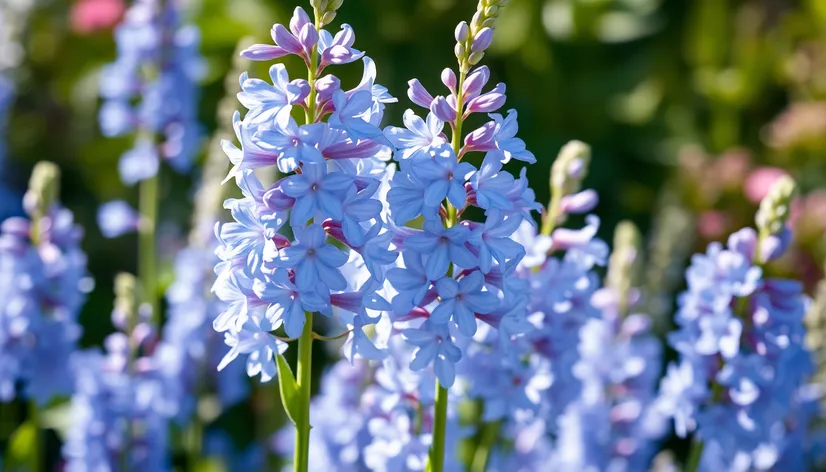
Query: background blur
{"points": [[691, 106]]}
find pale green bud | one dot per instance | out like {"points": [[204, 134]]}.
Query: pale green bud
{"points": [[570, 167], [774, 209]]}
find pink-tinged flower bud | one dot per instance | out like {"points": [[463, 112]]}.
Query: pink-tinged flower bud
{"points": [[299, 20], [449, 79], [474, 83], [418, 94], [326, 86], [442, 109], [579, 203], [775, 245], [462, 32], [263, 52], [308, 37], [482, 40], [284, 39], [488, 102], [481, 139], [276, 200]]}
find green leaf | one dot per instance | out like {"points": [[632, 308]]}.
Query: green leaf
{"points": [[288, 387], [21, 446]]}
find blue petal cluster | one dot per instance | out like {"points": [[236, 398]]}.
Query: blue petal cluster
{"points": [[121, 406], [43, 285], [483, 256], [283, 253], [160, 106], [742, 360]]}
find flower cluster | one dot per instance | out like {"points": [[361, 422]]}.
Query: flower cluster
{"points": [[151, 38], [43, 282], [124, 397], [282, 255], [740, 340], [457, 272]]}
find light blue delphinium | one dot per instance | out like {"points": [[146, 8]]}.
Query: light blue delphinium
{"points": [[151, 92], [44, 285], [436, 181], [124, 396], [283, 253], [740, 340]]}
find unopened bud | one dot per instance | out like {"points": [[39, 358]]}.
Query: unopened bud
{"points": [[328, 18], [44, 188], [474, 58], [319, 5], [126, 286], [334, 5], [774, 209], [624, 263], [482, 40], [570, 167], [459, 50], [462, 32]]}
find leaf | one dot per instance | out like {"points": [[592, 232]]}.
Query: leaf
{"points": [[288, 387]]}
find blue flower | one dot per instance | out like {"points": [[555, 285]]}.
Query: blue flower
{"points": [[507, 144], [435, 346], [264, 101], [286, 302], [461, 300], [493, 239], [445, 177], [315, 262], [254, 339], [295, 144], [420, 139], [442, 246], [117, 218], [316, 191]]}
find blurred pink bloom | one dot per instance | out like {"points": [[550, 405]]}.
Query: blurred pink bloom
{"points": [[712, 224], [88, 16], [760, 181]]}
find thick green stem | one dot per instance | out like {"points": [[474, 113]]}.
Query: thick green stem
{"points": [[437, 451], [37, 443], [693, 461], [549, 222], [147, 248], [302, 423], [488, 436]]}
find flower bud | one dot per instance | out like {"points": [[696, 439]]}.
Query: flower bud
{"points": [[462, 32], [442, 109], [459, 50], [328, 18], [624, 263], [44, 188], [126, 286], [774, 209], [578, 203], [320, 5], [482, 40], [299, 20], [474, 82], [334, 5], [488, 102], [475, 58], [570, 167], [449, 79]]}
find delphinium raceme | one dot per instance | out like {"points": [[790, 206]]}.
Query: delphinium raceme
{"points": [[742, 360], [124, 396], [457, 273], [612, 425], [536, 391], [151, 92], [43, 285], [282, 254]]}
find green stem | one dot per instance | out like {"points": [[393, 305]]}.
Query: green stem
{"points": [[302, 423], [147, 247], [437, 451], [194, 436], [37, 446], [693, 461], [549, 223], [489, 435]]}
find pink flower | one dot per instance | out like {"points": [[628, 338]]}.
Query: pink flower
{"points": [[760, 181], [88, 16], [712, 224]]}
